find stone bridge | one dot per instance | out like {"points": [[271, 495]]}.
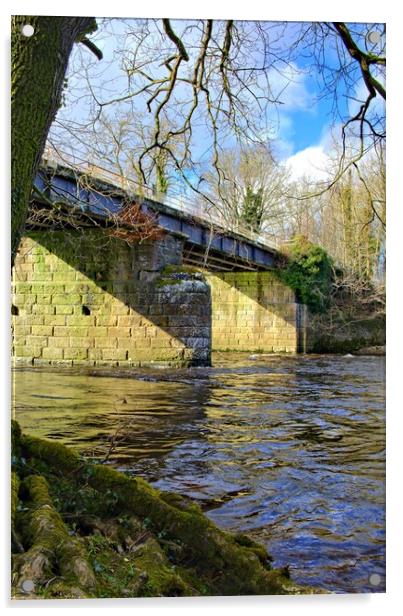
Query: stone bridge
{"points": [[84, 296]]}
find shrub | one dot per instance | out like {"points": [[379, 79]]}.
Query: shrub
{"points": [[308, 269]]}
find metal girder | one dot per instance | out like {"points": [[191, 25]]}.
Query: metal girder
{"points": [[223, 248]]}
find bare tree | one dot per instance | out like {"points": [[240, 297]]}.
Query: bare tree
{"points": [[197, 87], [348, 221], [251, 190], [350, 63], [209, 85]]}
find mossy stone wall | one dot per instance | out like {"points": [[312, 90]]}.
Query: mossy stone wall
{"points": [[255, 311], [83, 298]]}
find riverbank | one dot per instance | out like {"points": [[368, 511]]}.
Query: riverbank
{"points": [[84, 530], [357, 334]]}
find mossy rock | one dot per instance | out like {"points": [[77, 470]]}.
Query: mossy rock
{"points": [[125, 537], [180, 269], [340, 337], [177, 274]]}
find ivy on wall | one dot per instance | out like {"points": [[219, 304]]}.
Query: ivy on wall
{"points": [[308, 269]]}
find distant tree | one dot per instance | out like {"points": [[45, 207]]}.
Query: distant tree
{"points": [[186, 76], [348, 222], [251, 189]]}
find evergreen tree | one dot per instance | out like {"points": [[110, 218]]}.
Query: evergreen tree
{"points": [[252, 208]]}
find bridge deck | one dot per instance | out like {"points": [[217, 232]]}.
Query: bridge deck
{"points": [[207, 242]]}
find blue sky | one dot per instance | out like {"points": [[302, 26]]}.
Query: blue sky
{"points": [[299, 127]]}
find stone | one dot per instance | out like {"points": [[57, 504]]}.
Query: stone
{"points": [[372, 350], [252, 311], [105, 301]]}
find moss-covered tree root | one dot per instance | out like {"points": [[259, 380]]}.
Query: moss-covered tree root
{"points": [[52, 554], [139, 541]]}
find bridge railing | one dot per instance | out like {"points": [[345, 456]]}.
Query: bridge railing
{"points": [[179, 202]]}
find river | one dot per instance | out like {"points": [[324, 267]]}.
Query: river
{"points": [[290, 449]]}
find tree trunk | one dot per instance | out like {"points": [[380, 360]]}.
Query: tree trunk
{"points": [[38, 65]]}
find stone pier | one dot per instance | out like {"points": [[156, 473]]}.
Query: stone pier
{"points": [[254, 311], [87, 298]]}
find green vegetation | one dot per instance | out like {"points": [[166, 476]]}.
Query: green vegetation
{"points": [[253, 208], [86, 530], [163, 281], [308, 270], [180, 269]]}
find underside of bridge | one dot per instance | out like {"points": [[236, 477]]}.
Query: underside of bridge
{"points": [[215, 260], [84, 297]]}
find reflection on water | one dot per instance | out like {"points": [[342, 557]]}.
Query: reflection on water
{"points": [[289, 449]]}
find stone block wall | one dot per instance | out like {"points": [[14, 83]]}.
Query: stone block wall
{"points": [[83, 298], [254, 311]]}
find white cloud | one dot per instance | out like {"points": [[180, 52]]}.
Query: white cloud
{"points": [[288, 86], [281, 132], [312, 162]]}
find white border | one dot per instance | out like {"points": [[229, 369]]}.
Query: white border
{"points": [[343, 10]]}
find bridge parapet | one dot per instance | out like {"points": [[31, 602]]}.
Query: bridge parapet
{"points": [[207, 233], [204, 213]]}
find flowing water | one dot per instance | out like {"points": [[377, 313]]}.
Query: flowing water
{"points": [[288, 449]]}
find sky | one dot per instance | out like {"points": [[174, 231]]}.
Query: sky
{"points": [[307, 121], [299, 128]]}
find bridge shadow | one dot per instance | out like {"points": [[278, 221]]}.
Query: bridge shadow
{"points": [[255, 311], [89, 297], [143, 413], [93, 298]]}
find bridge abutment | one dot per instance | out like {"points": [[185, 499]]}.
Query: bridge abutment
{"points": [[256, 312], [86, 298], [83, 298]]}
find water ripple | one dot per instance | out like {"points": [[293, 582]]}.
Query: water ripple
{"points": [[289, 449]]}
